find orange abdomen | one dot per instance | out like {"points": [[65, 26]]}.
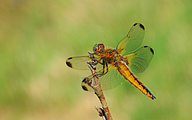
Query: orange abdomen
{"points": [[126, 72]]}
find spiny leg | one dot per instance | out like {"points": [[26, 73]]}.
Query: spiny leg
{"points": [[105, 69]]}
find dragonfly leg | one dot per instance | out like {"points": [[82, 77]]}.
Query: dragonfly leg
{"points": [[105, 69]]}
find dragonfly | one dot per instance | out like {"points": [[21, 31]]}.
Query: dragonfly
{"points": [[114, 66]]}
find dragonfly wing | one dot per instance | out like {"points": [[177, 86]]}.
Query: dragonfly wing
{"points": [[109, 80], [140, 59], [80, 62], [132, 40]]}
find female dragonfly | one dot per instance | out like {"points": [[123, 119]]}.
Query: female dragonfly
{"points": [[110, 63]]}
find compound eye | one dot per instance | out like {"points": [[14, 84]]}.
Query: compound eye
{"points": [[98, 48], [101, 46]]}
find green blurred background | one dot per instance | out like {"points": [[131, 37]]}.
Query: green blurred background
{"points": [[36, 38]]}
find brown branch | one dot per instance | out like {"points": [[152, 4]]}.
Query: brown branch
{"points": [[98, 91]]}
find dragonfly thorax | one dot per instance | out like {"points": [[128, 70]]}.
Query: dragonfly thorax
{"points": [[112, 56]]}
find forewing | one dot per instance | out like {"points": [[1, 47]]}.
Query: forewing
{"points": [[139, 60], [80, 62], [132, 40]]}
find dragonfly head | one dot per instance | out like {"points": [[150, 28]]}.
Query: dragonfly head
{"points": [[98, 48]]}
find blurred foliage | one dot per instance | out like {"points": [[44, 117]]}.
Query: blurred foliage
{"points": [[36, 37]]}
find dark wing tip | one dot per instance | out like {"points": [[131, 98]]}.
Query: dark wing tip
{"points": [[141, 26], [152, 50], [69, 64], [135, 24], [69, 58], [84, 88]]}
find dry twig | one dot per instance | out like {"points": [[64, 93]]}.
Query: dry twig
{"points": [[104, 111]]}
